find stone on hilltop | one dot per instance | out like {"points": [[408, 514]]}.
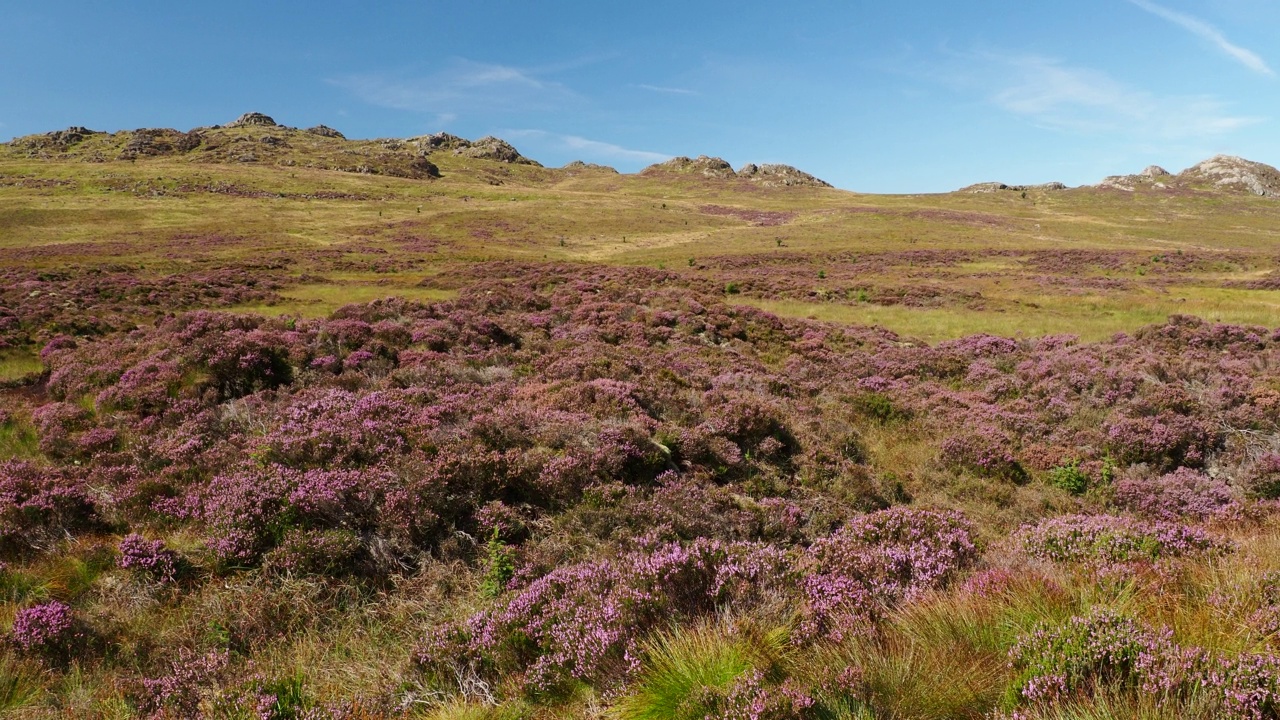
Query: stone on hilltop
{"points": [[703, 165], [580, 165], [250, 119], [1227, 172], [486, 148], [772, 175], [991, 187], [325, 131]]}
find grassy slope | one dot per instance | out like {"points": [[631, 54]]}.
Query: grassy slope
{"points": [[143, 208], [60, 212]]}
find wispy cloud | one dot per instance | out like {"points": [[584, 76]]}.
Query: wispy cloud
{"points": [[462, 87], [589, 149], [668, 90], [1055, 95], [1199, 27]]}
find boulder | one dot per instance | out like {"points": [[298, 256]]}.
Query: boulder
{"points": [[251, 119], [1228, 172], [772, 175], [702, 165], [325, 131], [580, 165]]}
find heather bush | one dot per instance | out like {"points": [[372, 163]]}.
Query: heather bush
{"points": [[1183, 493], [877, 560], [1106, 539], [985, 451], [585, 621], [49, 630], [1263, 478], [191, 678], [150, 558], [1250, 686], [39, 504], [1101, 650], [1165, 440]]}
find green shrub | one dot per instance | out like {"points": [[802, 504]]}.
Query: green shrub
{"points": [[1069, 478], [501, 567], [878, 407]]}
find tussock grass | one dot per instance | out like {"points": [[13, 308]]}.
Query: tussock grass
{"points": [[21, 684], [682, 664], [15, 366]]}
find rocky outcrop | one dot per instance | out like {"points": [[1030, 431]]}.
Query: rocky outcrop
{"points": [[772, 175], [1227, 172], [486, 148], [1220, 173], [492, 148], [580, 165], [991, 187], [252, 119], [713, 167], [325, 131], [154, 142]]}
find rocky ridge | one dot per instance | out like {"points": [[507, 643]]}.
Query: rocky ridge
{"points": [[1220, 173], [769, 175], [991, 187], [255, 137]]}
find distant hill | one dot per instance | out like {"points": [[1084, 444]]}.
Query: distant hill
{"points": [[256, 138]]}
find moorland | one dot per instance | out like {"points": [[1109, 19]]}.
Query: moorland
{"points": [[297, 426]]}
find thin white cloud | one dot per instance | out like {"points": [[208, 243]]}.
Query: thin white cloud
{"points": [[668, 90], [1199, 27], [462, 87], [1063, 97], [589, 149]]}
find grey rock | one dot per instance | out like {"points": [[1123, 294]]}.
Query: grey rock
{"points": [[1227, 172], [325, 131], [701, 165], [580, 165], [991, 187], [251, 119], [773, 175]]}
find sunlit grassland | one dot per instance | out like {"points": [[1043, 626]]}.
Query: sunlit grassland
{"points": [[318, 300], [1091, 317], [16, 365], [147, 213]]}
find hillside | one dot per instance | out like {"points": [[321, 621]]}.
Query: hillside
{"points": [[294, 425]]}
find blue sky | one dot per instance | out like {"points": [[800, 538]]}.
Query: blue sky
{"points": [[877, 97]]}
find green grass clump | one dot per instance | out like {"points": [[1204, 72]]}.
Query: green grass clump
{"points": [[15, 366], [20, 685], [683, 667]]}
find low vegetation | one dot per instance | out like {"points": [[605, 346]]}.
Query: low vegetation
{"points": [[504, 441]]}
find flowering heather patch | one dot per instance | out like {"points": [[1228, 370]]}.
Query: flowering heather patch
{"points": [[1104, 650], [1183, 493], [985, 451], [585, 621], [1105, 539], [877, 560], [1099, 650], [192, 676], [36, 503], [647, 454], [49, 629], [149, 557]]}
